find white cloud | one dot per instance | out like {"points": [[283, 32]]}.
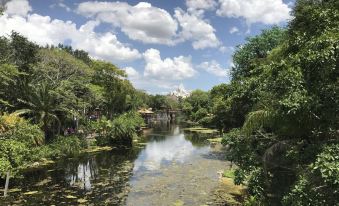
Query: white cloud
{"points": [[255, 11], [234, 30], [141, 22], [201, 4], [61, 5], [195, 28], [43, 30], [18, 7], [148, 24], [131, 73], [168, 69], [214, 68]]}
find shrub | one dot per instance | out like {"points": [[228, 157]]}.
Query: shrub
{"points": [[319, 183], [15, 127], [206, 121], [13, 155], [124, 128], [120, 131], [201, 113], [66, 146]]}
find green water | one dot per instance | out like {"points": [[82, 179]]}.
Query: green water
{"points": [[170, 169]]}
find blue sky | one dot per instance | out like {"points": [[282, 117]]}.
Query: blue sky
{"points": [[161, 44]]}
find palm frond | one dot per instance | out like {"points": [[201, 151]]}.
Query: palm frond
{"points": [[22, 111]]}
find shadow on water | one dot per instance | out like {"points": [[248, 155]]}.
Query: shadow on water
{"points": [[172, 166]]}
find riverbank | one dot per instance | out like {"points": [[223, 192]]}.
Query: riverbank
{"points": [[48, 161]]}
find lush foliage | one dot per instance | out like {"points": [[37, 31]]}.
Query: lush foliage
{"points": [[65, 146], [50, 95], [283, 97], [196, 107], [120, 131]]}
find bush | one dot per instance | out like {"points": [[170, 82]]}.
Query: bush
{"points": [[15, 127], [44, 151], [65, 146], [201, 113], [206, 121], [13, 156], [120, 131], [319, 183], [124, 128]]}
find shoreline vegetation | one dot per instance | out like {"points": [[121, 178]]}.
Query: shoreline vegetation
{"points": [[277, 118]]}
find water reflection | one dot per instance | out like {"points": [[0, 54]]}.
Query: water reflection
{"points": [[170, 165], [173, 148], [82, 177]]}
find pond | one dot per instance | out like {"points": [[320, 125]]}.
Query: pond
{"points": [[167, 169]]}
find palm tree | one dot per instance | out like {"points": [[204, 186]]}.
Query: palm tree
{"points": [[43, 103]]}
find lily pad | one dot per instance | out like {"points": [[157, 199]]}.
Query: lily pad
{"points": [[81, 201], [70, 197], [31, 193]]}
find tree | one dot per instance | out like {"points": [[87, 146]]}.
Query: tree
{"points": [[115, 87], [8, 73], [290, 131], [197, 105]]}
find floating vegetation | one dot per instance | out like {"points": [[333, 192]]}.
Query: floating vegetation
{"points": [[43, 163], [43, 182], [11, 190], [97, 149], [201, 130], [71, 197], [215, 140], [82, 201], [31, 193]]}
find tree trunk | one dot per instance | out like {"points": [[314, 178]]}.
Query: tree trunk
{"points": [[7, 183]]}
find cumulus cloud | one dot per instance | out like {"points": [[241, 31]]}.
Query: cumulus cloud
{"points": [[131, 73], [234, 30], [148, 24], [177, 68], [195, 28], [44, 30], [201, 4], [214, 68], [18, 7], [141, 22], [255, 11]]}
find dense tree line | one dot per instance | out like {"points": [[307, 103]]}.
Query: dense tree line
{"points": [[280, 110], [53, 97]]}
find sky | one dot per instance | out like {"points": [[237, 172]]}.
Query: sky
{"points": [[161, 44]]}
